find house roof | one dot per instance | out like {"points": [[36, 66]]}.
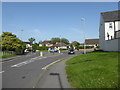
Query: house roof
{"points": [[91, 41], [111, 16], [59, 44], [46, 42]]}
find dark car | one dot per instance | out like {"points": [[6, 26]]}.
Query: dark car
{"points": [[71, 51]]}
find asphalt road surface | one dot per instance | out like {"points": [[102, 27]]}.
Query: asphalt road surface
{"points": [[24, 71]]}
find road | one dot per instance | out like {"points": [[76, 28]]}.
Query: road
{"points": [[25, 71]]}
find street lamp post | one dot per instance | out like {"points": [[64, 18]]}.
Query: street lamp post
{"points": [[21, 34], [60, 44], [83, 20]]}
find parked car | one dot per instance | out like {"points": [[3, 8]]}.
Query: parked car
{"points": [[53, 50], [71, 51], [28, 51]]}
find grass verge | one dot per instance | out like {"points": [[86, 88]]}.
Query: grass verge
{"points": [[8, 56], [93, 70]]}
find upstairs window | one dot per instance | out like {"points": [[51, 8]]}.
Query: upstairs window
{"points": [[110, 25]]}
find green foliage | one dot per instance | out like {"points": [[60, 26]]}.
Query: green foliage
{"points": [[81, 47], [75, 43], [11, 43], [54, 40], [93, 70], [71, 46], [8, 56], [35, 46], [98, 47], [87, 47], [31, 40], [40, 42], [63, 40]]}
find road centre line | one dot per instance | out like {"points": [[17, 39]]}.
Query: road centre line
{"points": [[26, 62]]}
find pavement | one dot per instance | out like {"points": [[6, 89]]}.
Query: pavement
{"points": [[55, 76]]}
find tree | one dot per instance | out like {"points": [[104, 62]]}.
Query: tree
{"points": [[11, 43], [35, 46], [54, 40], [76, 44], [31, 40], [40, 42], [64, 40]]}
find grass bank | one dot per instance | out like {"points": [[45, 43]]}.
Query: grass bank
{"points": [[8, 56], [93, 70]]}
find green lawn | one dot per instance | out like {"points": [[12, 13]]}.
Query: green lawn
{"points": [[93, 70]]}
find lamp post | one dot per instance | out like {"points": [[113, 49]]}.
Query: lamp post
{"points": [[83, 20], [21, 34], [60, 44]]}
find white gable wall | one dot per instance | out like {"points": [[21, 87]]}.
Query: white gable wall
{"points": [[108, 30], [117, 25], [107, 45]]}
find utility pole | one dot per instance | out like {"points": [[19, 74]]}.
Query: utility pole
{"points": [[21, 34], [60, 44], [83, 20]]}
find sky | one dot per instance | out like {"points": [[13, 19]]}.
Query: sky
{"points": [[75, 21]]}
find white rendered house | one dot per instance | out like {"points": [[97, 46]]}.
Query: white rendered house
{"points": [[109, 31]]}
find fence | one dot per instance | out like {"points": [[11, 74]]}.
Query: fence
{"points": [[4, 53]]}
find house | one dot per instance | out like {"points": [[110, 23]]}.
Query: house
{"points": [[74, 44], [60, 46], [46, 43], [109, 31], [92, 42]]}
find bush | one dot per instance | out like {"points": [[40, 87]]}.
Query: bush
{"points": [[81, 47], [98, 47], [87, 47]]}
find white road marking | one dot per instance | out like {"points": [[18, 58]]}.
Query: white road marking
{"points": [[26, 62], [2, 71]]}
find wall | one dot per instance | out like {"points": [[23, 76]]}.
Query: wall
{"points": [[107, 45], [117, 25], [111, 45], [108, 30], [101, 33]]}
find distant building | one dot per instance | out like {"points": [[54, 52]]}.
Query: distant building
{"points": [[46, 43], [60, 46], [92, 42], [109, 31]]}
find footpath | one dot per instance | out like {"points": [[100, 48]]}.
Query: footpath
{"points": [[54, 76]]}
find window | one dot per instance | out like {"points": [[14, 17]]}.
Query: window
{"points": [[110, 25], [117, 34]]}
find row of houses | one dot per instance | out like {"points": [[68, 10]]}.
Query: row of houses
{"points": [[88, 42], [58, 44]]}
